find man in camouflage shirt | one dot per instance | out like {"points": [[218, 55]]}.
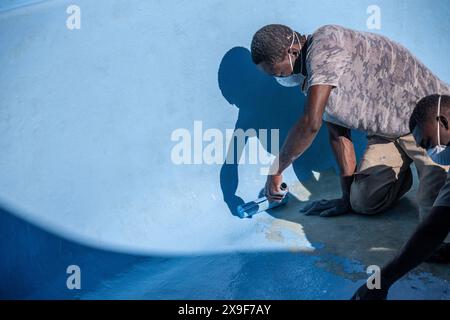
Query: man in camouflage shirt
{"points": [[354, 80]]}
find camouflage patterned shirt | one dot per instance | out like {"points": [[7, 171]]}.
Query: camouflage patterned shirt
{"points": [[377, 81]]}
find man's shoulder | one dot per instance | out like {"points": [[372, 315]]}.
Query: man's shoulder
{"points": [[326, 38], [336, 32], [328, 30]]}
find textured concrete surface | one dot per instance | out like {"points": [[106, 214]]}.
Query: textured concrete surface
{"points": [[86, 175], [326, 266]]}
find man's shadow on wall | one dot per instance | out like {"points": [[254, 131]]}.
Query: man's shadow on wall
{"points": [[263, 104]]}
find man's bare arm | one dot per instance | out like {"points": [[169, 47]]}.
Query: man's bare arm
{"points": [[299, 138], [344, 152], [306, 128], [425, 239]]}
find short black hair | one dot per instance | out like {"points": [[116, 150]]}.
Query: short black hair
{"points": [[269, 42], [426, 109]]}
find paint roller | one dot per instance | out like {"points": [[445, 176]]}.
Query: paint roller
{"points": [[249, 209]]}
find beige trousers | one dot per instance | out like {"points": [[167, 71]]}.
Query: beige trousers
{"points": [[384, 175]]}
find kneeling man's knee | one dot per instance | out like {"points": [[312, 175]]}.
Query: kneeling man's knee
{"points": [[362, 199]]}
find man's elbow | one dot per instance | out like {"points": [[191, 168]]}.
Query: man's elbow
{"points": [[311, 126]]}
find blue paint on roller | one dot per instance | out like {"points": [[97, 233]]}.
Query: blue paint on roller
{"points": [[251, 208]]}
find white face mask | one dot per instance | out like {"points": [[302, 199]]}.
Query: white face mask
{"points": [[293, 80], [439, 154]]}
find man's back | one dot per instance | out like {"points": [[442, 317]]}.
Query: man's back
{"points": [[378, 81]]}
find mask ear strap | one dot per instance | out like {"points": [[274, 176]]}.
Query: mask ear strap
{"points": [[299, 43], [293, 38], [439, 120], [294, 35], [289, 55]]}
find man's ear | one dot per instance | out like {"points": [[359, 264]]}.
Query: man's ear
{"points": [[443, 121], [294, 51]]}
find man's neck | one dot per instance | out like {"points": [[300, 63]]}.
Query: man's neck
{"points": [[303, 39], [305, 44]]}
